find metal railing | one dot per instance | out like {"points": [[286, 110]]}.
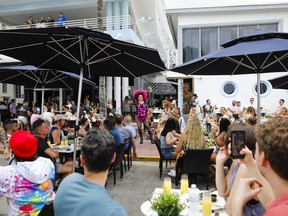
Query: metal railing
{"points": [[109, 23]]}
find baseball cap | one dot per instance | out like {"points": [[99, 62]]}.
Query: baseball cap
{"points": [[23, 144], [59, 117]]}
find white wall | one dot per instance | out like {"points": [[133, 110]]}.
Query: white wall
{"points": [[209, 87]]}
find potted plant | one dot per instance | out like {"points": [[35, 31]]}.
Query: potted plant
{"points": [[168, 204]]}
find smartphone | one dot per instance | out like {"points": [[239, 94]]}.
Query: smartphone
{"points": [[237, 143]]}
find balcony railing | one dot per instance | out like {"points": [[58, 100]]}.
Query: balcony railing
{"points": [[109, 23]]}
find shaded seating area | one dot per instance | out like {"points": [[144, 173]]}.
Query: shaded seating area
{"points": [[162, 158], [195, 162]]}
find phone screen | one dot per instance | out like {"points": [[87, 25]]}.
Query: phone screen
{"points": [[237, 143]]}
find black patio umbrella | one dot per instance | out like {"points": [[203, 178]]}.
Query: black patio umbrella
{"points": [[81, 51], [279, 82], [74, 48], [258, 52], [30, 76]]}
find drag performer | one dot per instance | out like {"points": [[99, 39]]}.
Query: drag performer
{"points": [[141, 116]]}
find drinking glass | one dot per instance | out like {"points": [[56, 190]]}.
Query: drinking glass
{"points": [[184, 184], [49, 143], [62, 143], [167, 184], [206, 203]]}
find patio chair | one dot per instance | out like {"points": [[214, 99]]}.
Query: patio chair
{"points": [[128, 156], [118, 161], [158, 145], [195, 162]]}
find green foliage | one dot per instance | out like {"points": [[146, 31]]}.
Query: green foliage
{"points": [[70, 136], [168, 204]]}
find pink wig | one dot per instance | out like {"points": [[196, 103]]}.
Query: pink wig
{"points": [[138, 92]]}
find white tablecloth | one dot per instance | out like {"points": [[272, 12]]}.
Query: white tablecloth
{"points": [[146, 206]]}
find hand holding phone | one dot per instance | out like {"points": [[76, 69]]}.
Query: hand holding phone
{"points": [[237, 143]]}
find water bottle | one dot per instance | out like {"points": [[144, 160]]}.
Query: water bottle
{"points": [[194, 201]]}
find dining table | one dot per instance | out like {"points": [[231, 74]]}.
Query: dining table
{"points": [[218, 206], [66, 152]]}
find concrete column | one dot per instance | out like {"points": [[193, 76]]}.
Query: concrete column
{"points": [[140, 82], [116, 14], [125, 84], [180, 96], [117, 93], [109, 15], [125, 14], [109, 88]]}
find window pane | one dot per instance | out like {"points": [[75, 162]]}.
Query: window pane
{"points": [[263, 88], [190, 44], [17, 91], [271, 27], [249, 28], [209, 40], [229, 88], [227, 34], [243, 30]]}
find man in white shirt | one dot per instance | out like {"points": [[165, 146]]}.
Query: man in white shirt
{"points": [[251, 103]]}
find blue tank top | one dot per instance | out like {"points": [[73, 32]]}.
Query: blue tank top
{"points": [[163, 142]]}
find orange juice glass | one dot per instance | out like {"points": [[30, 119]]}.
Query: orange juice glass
{"points": [[184, 184], [206, 204], [167, 185]]}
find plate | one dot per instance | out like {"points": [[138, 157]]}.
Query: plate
{"points": [[146, 210]]}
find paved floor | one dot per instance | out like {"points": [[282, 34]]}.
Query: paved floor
{"points": [[135, 188]]}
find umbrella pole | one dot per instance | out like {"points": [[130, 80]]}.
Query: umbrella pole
{"points": [[77, 118], [258, 99], [42, 100]]}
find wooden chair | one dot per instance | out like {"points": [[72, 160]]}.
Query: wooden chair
{"points": [[158, 145], [194, 162]]}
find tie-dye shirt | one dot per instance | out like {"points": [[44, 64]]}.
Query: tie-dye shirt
{"points": [[27, 186]]}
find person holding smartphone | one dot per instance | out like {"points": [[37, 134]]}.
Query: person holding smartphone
{"points": [[237, 136], [268, 177]]}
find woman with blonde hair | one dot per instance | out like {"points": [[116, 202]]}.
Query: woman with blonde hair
{"points": [[193, 137]]}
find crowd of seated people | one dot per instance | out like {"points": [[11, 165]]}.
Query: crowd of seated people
{"points": [[175, 140]]}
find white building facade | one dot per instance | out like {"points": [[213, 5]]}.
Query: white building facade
{"points": [[201, 27]]}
